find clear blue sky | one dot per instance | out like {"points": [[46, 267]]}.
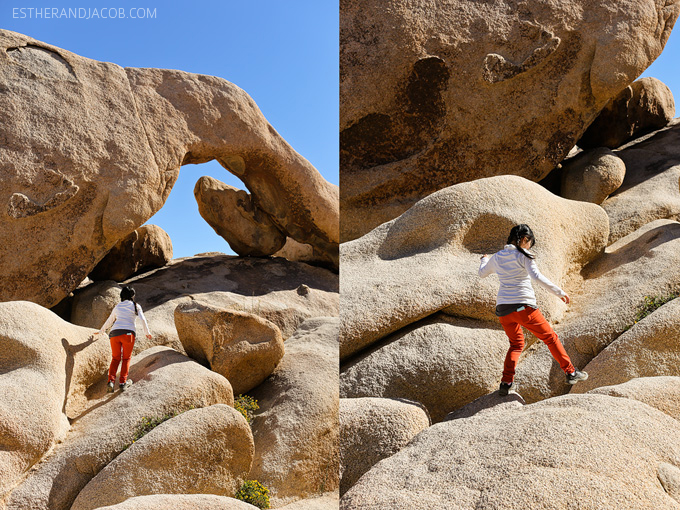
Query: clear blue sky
{"points": [[283, 53], [667, 67]]}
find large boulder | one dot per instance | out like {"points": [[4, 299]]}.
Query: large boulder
{"points": [[147, 247], [436, 94], [427, 259], [614, 288], [592, 176], [650, 348], [181, 502], [241, 346], [662, 392], [33, 384], [202, 451], [643, 106], [165, 383], [91, 151], [267, 288], [296, 429], [442, 363], [595, 451], [372, 429], [651, 188], [328, 501], [236, 217]]}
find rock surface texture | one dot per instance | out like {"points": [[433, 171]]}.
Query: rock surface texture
{"points": [[148, 247], [661, 392], [372, 429], [650, 348], [406, 130], [235, 216], [108, 425], [442, 363], [600, 451], [427, 260], [592, 176], [181, 502], [296, 429], [91, 151], [643, 106], [651, 188], [201, 451], [267, 288], [241, 346]]}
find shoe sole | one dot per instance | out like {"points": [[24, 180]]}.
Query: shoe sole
{"points": [[574, 381]]}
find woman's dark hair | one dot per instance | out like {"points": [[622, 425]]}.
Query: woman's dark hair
{"points": [[128, 294], [519, 232]]}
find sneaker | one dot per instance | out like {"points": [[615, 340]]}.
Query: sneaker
{"points": [[576, 377], [125, 385], [506, 388], [109, 387]]}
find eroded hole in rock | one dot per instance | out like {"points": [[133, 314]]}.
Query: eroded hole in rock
{"points": [[420, 109], [487, 234], [42, 62]]}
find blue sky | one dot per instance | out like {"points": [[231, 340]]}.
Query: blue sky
{"points": [[283, 53], [667, 67]]}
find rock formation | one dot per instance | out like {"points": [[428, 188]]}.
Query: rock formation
{"points": [[643, 106], [433, 95], [267, 288], [235, 216], [651, 188], [148, 247], [201, 451], [241, 346], [93, 441], [649, 348], [78, 178], [600, 451], [296, 429], [427, 259], [372, 429], [592, 176], [181, 502], [442, 363], [661, 392]]}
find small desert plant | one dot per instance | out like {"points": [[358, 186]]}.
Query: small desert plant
{"points": [[650, 304], [246, 405], [255, 493], [148, 424]]}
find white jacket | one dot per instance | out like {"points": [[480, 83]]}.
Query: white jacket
{"points": [[515, 272], [124, 316]]}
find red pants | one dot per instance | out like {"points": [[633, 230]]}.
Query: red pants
{"points": [[533, 320], [119, 343]]}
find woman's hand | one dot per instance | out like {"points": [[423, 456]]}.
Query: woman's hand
{"points": [[483, 256], [565, 299]]}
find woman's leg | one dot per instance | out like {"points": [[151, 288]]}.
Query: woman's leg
{"points": [[516, 337], [116, 347], [534, 321], [128, 342]]}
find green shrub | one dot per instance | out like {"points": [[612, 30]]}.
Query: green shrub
{"points": [[148, 424], [255, 493], [650, 304], [246, 405]]}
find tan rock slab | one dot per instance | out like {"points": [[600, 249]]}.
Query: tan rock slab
{"points": [[180, 502], [442, 363], [91, 151], [645, 105], [596, 450], [296, 428], [592, 176], [660, 392], [147, 247], [201, 451], [372, 429], [165, 382], [241, 346], [434, 94], [427, 260]]}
